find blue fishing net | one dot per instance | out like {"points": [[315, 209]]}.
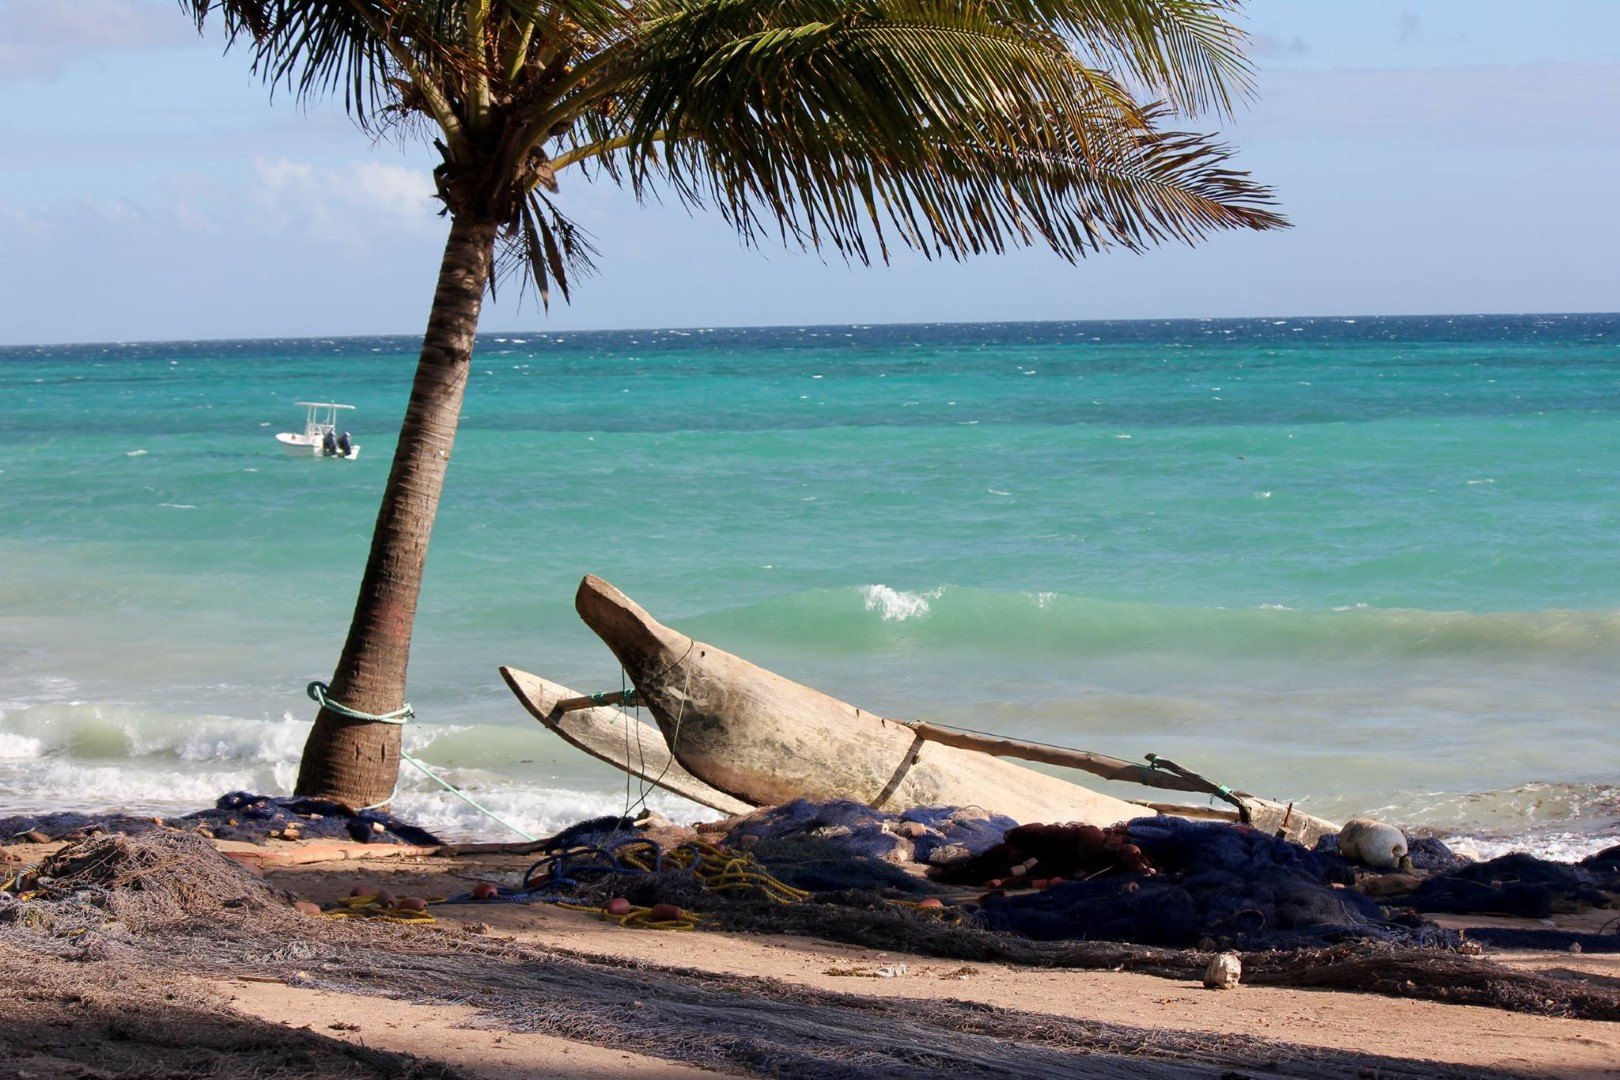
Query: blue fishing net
{"points": [[240, 815], [1212, 884], [1516, 884], [840, 845], [932, 835]]}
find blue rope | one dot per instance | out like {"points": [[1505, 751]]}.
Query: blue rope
{"points": [[319, 693]]}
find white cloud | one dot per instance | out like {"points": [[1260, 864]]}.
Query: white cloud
{"points": [[21, 220], [1278, 46], [41, 37], [347, 209], [345, 205]]}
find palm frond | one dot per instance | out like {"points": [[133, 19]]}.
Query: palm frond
{"points": [[958, 133], [952, 126], [1188, 51], [543, 247], [362, 50]]}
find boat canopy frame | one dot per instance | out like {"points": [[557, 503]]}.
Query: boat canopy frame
{"points": [[314, 422]]}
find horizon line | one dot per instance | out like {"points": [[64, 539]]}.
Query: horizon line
{"points": [[816, 326]]}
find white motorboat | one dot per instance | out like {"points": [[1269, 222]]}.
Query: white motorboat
{"points": [[320, 436]]}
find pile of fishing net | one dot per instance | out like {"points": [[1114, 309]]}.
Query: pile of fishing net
{"points": [[133, 1010], [935, 835], [1518, 885], [240, 815], [1181, 883], [142, 882], [174, 896], [1155, 881]]}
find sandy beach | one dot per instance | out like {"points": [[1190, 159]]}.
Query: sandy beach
{"points": [[509, 990]]}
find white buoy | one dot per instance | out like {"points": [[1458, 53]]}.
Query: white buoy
{"points": [[1372, 843]]}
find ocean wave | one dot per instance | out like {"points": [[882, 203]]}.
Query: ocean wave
{"points": [[894, 605], [110, 731], [148, 786], [14, 747], [1050, 623]]}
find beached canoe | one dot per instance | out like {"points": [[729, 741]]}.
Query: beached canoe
{"points": [[620, 740], [767, 740]]}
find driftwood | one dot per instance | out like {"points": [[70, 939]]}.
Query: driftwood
{"points": [[767, 740]]}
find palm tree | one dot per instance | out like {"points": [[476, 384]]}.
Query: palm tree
{"points": [[953, 127]]}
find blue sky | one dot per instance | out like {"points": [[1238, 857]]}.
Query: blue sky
{"points": [[1445, 156]]}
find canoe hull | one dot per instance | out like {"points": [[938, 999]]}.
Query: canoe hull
{"points": [[767, 740], [622, 741]]}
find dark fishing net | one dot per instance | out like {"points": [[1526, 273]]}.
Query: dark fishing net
{"points": [[818, 865], [143, 882], [935, 836], [1429, 853], [133, 1019], [876, 921], [1553, 940], [1161, 880], [1605, 866], [750, 1025], [1514, 884], [1221, 884], [240, 815]]}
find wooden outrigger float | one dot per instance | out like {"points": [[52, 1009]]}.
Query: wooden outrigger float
{"points": [[761, 739], [611, 736]]}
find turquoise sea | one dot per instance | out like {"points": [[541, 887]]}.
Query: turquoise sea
{"points": [[1369, 563]]}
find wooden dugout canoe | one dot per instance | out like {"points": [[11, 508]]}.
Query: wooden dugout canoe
{"points": [[767, 740], [619, 739]]}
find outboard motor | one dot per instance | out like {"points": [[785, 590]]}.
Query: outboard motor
{"points": [[344, 445], [329, 446]]}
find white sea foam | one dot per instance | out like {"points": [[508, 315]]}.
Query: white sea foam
{"points": [[1559, 847], [14, 747], [62, 783], [135, 453], [895, 605], [537, 810]]}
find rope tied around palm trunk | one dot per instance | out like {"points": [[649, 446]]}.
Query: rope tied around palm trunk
{"points": [[320, 693]]}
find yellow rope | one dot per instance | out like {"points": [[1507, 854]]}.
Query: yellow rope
{"points": [[366, 907], [638, 918]]}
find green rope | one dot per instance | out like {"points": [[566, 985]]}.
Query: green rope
{"points": [[318, 692], [626, 697]]}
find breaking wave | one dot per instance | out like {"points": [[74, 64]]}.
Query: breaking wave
{"points": [[873, 616]]}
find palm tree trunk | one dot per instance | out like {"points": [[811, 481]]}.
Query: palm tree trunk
{"points": [[356, 762]]}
